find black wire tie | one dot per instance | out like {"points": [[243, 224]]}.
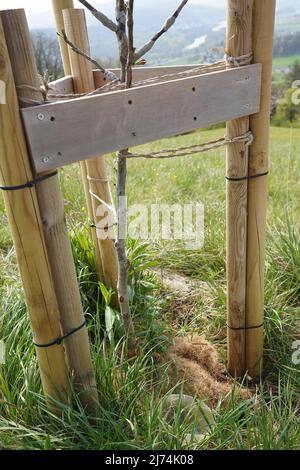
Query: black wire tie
{"points": [[248, 177], [59, 340], [245, 327], [29, 184]]}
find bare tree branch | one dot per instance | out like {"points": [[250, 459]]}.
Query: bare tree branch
{"points": [[170, 21], [119, 28], [108, 23], [130, 57], [107, 73], [122, 38], [126, 75], [121, 251]]}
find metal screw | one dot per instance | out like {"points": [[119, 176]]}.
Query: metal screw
{"points": [[45, 159], [40, 117]]}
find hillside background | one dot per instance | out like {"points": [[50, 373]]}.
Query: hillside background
{"points": [[197, 35]]}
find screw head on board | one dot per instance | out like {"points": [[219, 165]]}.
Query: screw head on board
{"points": [[40, 116], [45, 159]]}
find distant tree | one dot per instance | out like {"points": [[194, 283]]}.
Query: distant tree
{"points": [[287, 44], [278, 90], [287, 112], [293, 74], [47, 54], [282, 95]]}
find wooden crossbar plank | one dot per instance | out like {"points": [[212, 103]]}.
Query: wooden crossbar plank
{"points": [[143, 73], [65, 132], [63, 85]]}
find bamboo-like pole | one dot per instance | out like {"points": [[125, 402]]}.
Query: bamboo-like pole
{"points": [[27, 232], [58, 7], [263, 32], [238, 43], [82, 73], [54, 225]]}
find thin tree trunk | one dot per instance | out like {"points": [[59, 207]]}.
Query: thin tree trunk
{"points": [[126, 74]]}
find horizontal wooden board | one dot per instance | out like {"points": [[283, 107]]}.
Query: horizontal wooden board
{"points": [[65, 84], [62, 86], [143, 73], [65, 132]]}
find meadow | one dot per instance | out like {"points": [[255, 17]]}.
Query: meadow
{"points": [[132, 393], [284, 62]]}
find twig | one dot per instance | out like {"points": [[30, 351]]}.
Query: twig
{"points": [[121, 36], [126, 75], [107, 73], [170, 21], [123, 261], [79, 51], [130, 57], [107, 22], [119, 28]]}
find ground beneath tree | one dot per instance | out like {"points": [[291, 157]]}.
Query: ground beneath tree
{"points": [[193, 359], [196, 362]]}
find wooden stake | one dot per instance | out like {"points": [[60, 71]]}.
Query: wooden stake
{"points": [[82, 72], [238, 43], [27, 232], [263, 32], [52, 210], [58, 7]]}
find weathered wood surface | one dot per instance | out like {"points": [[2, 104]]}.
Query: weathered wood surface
{"points": [[238, 43], [27, 231], [96, 174], [62, 86], [51, 206], [263, 33], [58, 6], [65, 84], [143, 73], [83, 128]]}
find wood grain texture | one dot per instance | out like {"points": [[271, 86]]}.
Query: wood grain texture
{"points": [[58, 6], [29, 242], [76, 30], [143, 73], [54, 226], [62, 86], [238, 43], [263, 33], [85, 127]]}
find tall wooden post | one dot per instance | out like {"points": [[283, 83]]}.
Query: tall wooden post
{"points": [[103, 251], [27, 231], [54, 225], [263, 32], [58, 6], [82, 73], [238, 43]]}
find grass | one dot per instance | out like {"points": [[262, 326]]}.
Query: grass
{"points": [[285, 61], [132, 395]]}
